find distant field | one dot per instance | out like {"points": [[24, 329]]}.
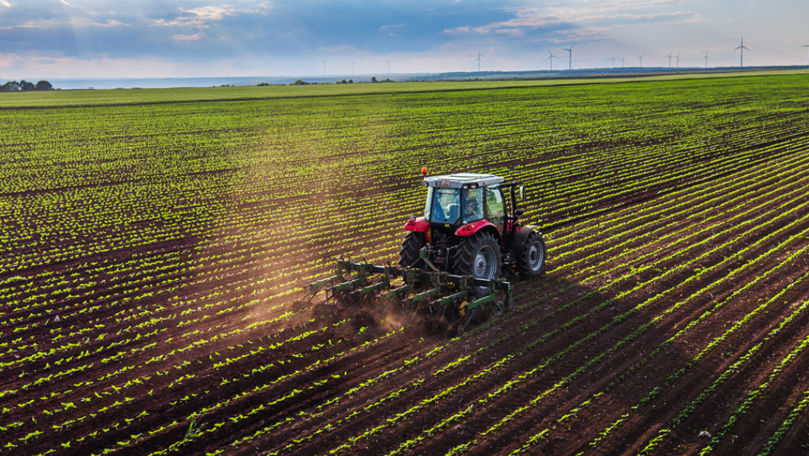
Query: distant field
{"points": [[154, 243], [139, 96]]}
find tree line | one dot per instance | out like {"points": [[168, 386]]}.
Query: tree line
{"points": [[24, 86]]}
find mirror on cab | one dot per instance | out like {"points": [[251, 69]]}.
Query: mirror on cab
{"points": [[522, 191]]}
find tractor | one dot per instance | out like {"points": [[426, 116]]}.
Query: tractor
{"points": [[466, 229], [453, 258]]}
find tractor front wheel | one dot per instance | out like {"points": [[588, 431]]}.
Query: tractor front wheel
{"points": [[531, 258], [409, 255]]}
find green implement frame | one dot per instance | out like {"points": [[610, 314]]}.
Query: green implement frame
{"points": [[437, 292]]}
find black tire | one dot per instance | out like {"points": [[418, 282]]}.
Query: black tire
{"points": [[531, 257], [478, 256], [409, 255]]}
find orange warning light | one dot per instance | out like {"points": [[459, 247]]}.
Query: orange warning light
{"points": [[424, 170]]}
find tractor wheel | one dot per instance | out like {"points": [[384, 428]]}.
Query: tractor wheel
{"points": [[409, 255], [531, 258], [478, 256]]}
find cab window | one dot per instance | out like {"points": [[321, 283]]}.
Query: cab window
{"points": [[495, 209], [445, 207], [472, 204]]}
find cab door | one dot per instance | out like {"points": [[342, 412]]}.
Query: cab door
{"points": [[495, 207]]}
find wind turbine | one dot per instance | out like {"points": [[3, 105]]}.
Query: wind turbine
{"points": [[324, 65], [388, 66], [612, 62], [741, 48], [706, 59], [806, 45], [352, 68], [678, 59], [669, 56], [640, 61], [478, 59], [570, 57], [622, 62], [551, 57]]}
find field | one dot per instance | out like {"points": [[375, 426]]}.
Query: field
{"points": [[153, 256]]}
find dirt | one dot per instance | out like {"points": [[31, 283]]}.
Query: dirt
{"points": [[597, 366]]}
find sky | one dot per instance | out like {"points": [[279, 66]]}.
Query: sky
{"points": [[44, 39]]}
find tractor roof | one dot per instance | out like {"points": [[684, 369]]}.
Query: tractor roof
{"points": [[463, 180]]}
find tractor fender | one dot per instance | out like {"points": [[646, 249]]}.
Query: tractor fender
{"points": [[472, 228], [417, 225], [522, 236]]}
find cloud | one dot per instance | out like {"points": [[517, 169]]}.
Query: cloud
{"points": [[583, 19], [391, 29], [196, 17], [292, 37], [342, 49], [73, 21], [188, 38], [53, 65], [581, 34], [203, 16], [209, 13]]}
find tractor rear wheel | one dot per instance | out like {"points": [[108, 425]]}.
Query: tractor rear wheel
{"points": [[478, 256], [531, 258], [409, 255]]}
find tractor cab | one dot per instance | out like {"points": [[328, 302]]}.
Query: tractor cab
{"points": [[463, 198]]}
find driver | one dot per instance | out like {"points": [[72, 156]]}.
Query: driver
{"points": [[470, 210]]}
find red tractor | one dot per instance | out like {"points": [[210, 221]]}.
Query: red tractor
{"points": [[452, 260], [467, 229]]}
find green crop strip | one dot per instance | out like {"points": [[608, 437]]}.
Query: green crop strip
{"points": [[785, 426]]}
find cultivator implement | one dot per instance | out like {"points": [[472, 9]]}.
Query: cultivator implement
{"points": [[451, 300]]}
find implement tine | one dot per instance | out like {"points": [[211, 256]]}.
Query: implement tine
{"points": [[371, 289], [345, 286], [450, 298], [365, 282], [395, 292], [423, 296], [441, 302], [317, 285], [327, 283]]}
